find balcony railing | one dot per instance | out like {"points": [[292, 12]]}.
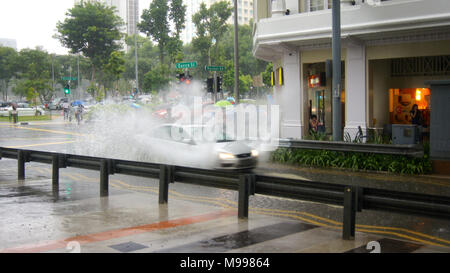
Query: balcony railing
{"points": [[275, 8]]}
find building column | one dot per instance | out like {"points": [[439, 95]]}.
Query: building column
{"points": [[289, 96], [355, 91]]}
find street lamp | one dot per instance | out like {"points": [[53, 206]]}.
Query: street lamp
{"points": [[236, 53]]}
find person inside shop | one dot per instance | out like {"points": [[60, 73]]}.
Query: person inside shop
{"points": [[417, 119], [416, 115], [313, 123]]}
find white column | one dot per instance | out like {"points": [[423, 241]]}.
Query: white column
{"points": [[355, 89], [290, 97]]}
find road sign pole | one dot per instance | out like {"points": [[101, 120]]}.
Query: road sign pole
{"points": [[215, 86]]}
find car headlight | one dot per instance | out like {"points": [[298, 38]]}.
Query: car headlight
{"points": [[226, 156], [255, 153]]}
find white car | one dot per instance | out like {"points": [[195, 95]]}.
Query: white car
{"points": [[181, 145], [23, 109]]}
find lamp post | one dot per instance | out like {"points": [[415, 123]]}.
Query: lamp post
{"points": [[236, 54], [336, 48]]}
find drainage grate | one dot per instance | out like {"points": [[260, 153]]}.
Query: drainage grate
{"points": [[128, 247]]}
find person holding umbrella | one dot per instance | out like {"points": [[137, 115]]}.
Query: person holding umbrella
{"points": [[78, 111]]}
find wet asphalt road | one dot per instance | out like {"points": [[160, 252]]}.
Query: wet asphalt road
{"points": [[80, 184]]}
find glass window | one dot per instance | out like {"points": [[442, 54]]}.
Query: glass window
{"points": [[316, 5]]}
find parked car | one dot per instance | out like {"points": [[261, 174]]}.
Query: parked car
{"points": [[23, 109], [56, 104], [211, 150], [4, 109]]}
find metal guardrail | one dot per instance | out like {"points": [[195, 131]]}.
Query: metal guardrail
{"points": [[352, 198], [415, 150]]}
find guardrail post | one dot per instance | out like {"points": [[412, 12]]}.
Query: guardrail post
{"points": [[350, 204], [246, 187], [55, 174], [166, 176], [104, 178], [21, 165]]}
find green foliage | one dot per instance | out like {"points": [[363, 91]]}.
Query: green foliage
{"points": [[353, 160], [211, 25], [8, 66], [157, 78], [93, 29], [318, 136], [178, 16], [34, 74], [267, 74], [155, 25], [116, 65]]}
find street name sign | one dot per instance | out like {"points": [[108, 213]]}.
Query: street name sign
{"points": [[187, 65], [215, 68], [69, 78]]}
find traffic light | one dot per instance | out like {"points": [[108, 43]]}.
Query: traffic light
{"points": [[188, 79], [219, 83], [181, 77], [67, 89], [210, 85]]}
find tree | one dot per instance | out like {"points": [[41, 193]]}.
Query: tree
{"points": [[248, 64], [211, 25], [155, 25], [92, 29], [267, 74], [156, 79], [178, 16], [115, 66], [8, 68], [148, 57], [35, 66], [245, 81]]}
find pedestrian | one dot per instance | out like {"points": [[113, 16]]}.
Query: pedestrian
{"points": [[66, 110], [417, 119], [79, 113], [14, 112], [313, 124], [416, 115]]}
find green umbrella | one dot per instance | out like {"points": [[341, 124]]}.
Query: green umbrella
{"points": [[223, 103]]}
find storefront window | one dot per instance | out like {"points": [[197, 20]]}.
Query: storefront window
{"points": [[316, 5], [319, 96], [401, 102]]}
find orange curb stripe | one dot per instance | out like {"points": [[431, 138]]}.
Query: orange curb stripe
{"points": [[112, 234]]}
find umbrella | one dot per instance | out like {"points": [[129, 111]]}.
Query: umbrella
{"points": [[223, 103], [77, 102], [134, 105], [231, 99]]}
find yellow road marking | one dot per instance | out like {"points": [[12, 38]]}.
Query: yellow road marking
{"points": [[49, 131], [41, 144]]}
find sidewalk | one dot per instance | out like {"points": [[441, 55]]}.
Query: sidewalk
{"points": [[428, 184]]}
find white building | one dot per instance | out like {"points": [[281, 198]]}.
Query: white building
{"points": [[389, 49]]}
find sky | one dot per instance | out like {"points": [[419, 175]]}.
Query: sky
{"points": [[33, 22]]}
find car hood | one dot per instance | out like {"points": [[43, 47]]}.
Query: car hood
{"points": [[233, 147]]}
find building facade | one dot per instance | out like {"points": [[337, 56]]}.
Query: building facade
{"points": [[389, 49], [245, 14]]}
